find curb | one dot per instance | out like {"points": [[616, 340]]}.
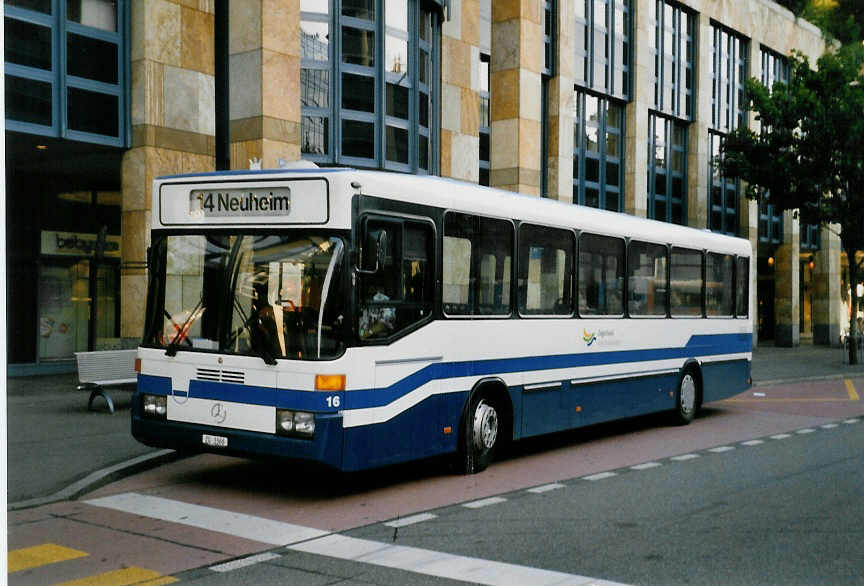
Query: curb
{"points": [[100, 478]]}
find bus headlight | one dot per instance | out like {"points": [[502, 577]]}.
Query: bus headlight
{"points": [[304, 424], [295, 423], [155, 406]]}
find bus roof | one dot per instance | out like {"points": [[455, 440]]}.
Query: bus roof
{"points": [[457, 195]]}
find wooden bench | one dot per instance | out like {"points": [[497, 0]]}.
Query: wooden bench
{"points": [[104, 368]]}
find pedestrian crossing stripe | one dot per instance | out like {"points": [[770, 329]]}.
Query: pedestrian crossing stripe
{"points": [[123, 577], [41, 555]]}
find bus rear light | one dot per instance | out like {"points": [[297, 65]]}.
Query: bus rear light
{"points": [[138, 365], [329, 382]]}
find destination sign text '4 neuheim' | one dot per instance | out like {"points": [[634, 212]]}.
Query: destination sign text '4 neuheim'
{"points": [[240, 202]]}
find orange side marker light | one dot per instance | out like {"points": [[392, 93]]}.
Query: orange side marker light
{"points": [[329, 382]]}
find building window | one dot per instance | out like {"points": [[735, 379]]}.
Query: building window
{"points": [[65, 66], [602, 37], [667, 169], [729, 67], [673, 47], [369, 89], [723, 191], [598, 151], [484, 125], [811, 236], [770, 224], [775, 68]]}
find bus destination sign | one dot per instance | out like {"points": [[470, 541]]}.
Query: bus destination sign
{"points": [[221, 203]]}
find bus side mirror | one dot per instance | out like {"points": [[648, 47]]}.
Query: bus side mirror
{"points": [[375, 247]]}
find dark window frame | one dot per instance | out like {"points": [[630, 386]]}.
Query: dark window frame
{"points": [[582, 156], [422, 141], [61, 82], [614, 65], [670, 202]]}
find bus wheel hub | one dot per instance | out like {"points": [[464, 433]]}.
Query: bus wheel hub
{"points": [[485, 426]]}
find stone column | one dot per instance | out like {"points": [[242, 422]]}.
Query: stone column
{"points": [[264, 66], [460, 82], [559, 178], [172, 126], [636, 123], [516, 63], [787, 316], [748, 216], [698, 154], [748, 219], [827, 314]]}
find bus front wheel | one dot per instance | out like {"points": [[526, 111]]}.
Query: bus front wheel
{"points": [[687, 396], [480, 435]]}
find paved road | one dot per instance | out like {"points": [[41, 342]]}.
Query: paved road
{"points": [[189, 518]]}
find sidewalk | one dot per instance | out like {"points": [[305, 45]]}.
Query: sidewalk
{"points": [[58, 449]]}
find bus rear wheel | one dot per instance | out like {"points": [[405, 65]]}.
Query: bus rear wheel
{"points": [[480, 435], [687, 396]]}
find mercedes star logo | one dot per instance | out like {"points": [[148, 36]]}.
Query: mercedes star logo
{"points": [[218, 412]]}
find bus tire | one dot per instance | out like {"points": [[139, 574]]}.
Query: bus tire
{"points": [[480, 434], [687, 396]]}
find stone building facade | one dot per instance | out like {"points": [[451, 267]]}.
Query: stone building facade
{"points": [[619, 104]]}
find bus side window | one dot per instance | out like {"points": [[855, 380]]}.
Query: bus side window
{"points": [[601, 275], [719, 291], [545, 265], [742, 286], [400, 292], [686, 282], [646, 279], [478, 261]]}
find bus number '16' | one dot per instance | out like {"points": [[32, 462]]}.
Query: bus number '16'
{"points": [[333, 401]]}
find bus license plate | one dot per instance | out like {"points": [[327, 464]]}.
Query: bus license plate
{"points": [[214, 441]]}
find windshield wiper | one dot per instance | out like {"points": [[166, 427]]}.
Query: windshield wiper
{"points": [[183, 330]]}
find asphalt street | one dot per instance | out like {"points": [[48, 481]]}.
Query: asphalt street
{"points": [[773, 510]]}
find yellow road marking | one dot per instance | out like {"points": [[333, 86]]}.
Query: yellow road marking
{"points": [[853, 394], [773, 400], [123, 577], [41, 555]]}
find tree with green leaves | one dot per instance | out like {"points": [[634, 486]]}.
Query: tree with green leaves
{"points": [[808, 152]]}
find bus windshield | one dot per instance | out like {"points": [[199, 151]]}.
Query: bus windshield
{"points": [[273, 296]]}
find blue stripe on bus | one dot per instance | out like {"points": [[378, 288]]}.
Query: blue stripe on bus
{"points": [[699, 345]]}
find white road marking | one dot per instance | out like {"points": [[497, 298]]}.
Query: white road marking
{"points": [[805, 431], [753, 443], [405, 521], [829, 426], [484, 502], [238, 524], [438, 564], [645, 466], [545, 488], [601, 476], [780, 436], [684, 457], [721, 449], [245, 562], [851, 421]]}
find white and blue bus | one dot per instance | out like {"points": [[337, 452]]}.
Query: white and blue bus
{"points": [[361, 318]]}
